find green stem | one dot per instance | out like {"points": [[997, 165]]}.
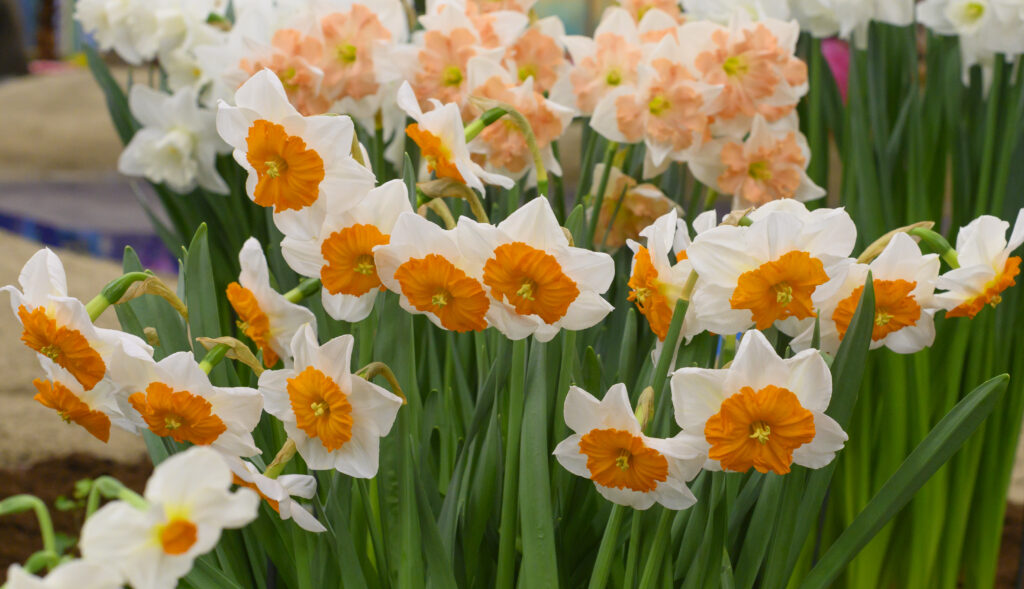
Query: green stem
{"points": [[21, 503], [633, 553], [602, 186], [112, 293], [988, 144], [937, 244], [307, 288], [490, 116], [112, 488], [213, 357], [509, 496], [654, 560], [603, 562]]}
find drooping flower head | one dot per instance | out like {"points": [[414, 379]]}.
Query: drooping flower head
{"points": [[609, 447], [986, 266], [189, 504], [93, 409], [335, 417], [762, 412], [264, 315], [641, 205], [278, 492], [537, 282]]}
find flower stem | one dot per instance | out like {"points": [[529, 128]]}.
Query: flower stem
{"points": [[937, 244], [490, 116], [509, 497], [112, 293], [603, 562], [284, 456], [602, 185], [112, 488], [213, 357], [21, 503]]}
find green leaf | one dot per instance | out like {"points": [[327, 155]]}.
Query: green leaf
{"points": [[117, 101], [937, 447], [202, 299]]}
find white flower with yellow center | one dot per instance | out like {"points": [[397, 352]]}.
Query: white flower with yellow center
{"points": [[74, 574], [762, 412], [342, 255], [424, 265], [441, 137], [609, 447], [296, 164], [58, 327], [335, 417], [279, 492], [904, 284], [537, 282], [265, 315], [174, 398], [774, 272], [986, 267], [177, 144], [189, 504]]}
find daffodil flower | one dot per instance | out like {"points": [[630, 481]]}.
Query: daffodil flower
{"points": [[776, 271], [605, 61], [425, 266], [174, 398], [58, 327], [537, 282], [441, 137], [295, 163], [609, 447], [74, 574], [986, 266], [335, 417], [93, 409], [641, 205], [278, 492], [265, 315], [762, 412], [187, 505]]}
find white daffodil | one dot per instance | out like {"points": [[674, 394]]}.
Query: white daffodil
{"points": [[265, 315], [335, 417], [129, 27], [537, 282], [278, 492], [342, 255], [295, 163], [776, 271], [174, 398], [441, 137], [986, 267], [177, 144], [94, 409], [609, 447], [768, 164], [905, 304], [850, 18], [74, 574], [188, 505], [762, 412], [722, 11], [58, 327], [424, 265]]}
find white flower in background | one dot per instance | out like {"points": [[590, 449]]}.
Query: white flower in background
{"points": [[986, 267], [769, 164], [335, 418], [776, 271], [296, 164], [763, 411], [177, 144], [904, 286], [985, 27], [174, 398], [424, 265], [278, 492], [537, 282], [608, 447], [850, 18], [342, 255], [58, 327], [265, 315], [129, 27], [441, 137], [722, 11], [73, 574], [189, 504]]}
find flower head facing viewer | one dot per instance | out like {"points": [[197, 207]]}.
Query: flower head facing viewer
{"points": [[762, 412]]}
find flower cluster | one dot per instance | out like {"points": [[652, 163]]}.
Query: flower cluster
{"points": [[986, 28]]}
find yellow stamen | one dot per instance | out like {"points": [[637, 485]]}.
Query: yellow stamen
{"points": [[319, 408], [346, 53], [735, 66], [623, 460], [783, 293], [440, 299], [882, 318], [760, 431], [526, 290], [452, 76], [364, 265], [658, 105], [614, 78], [172, 422], [760, 171], [52, 352]]}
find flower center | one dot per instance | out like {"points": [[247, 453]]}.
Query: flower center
{"points": [[658, 105], [179, 414], [435, 152], [760, 171], [613, 78], [350, 268], [973, 11], [882, 318], [618, 459], [895, 308], [322, 410], [451, 76], [530, 280], [68, 348], [252, 321], [177, 536], [72, 409], [288, 173], [364, 265], [346, 53], [647, 294], [433, 284], [992, 291], [759, 429], [50, 351], [527, 71], [780, 289], [735, 66]]}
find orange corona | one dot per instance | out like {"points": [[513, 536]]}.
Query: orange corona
{"points": [[645, 291], [530, 280], [435, 285], [178, 414], [895, 308], [252, 320], [71, 409], [321, 408], [759, 429], [437, 155], [993, 289], [618, 459], [177, 536], [350, 268], [288, 174], [68, 348], [780, 289]]}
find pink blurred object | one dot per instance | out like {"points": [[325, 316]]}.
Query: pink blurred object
{"points": [[837, 54], [47, 66]]}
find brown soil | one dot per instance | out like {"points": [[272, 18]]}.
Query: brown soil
{"points": [[1010, 551], [49, 479]]}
